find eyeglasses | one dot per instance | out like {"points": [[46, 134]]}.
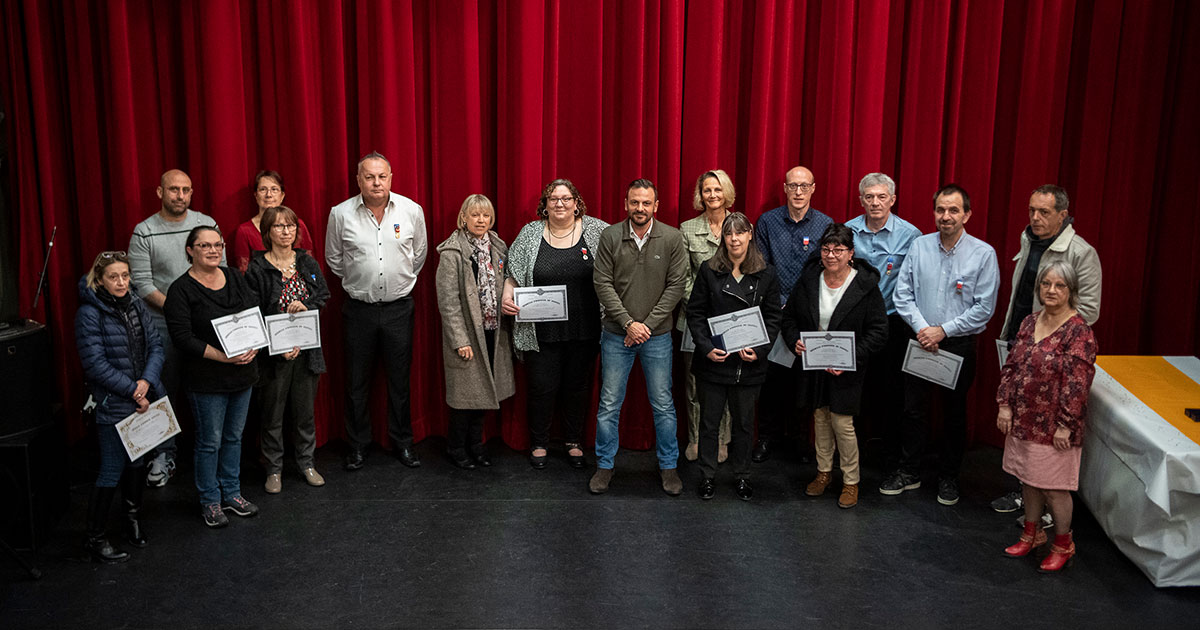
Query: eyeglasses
{"points": [[834, 251], [793, 187], [121, 256], [283, 227], [559, 201], [269, 190], [204, 247]]}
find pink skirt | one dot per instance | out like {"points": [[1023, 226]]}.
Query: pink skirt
{"points": [[1042, 465]]}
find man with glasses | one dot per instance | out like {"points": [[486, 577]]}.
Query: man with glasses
{"points": [[376, 243], [1049, 237], [787, 236], [882, 239], [157, 257], [946, 293]]}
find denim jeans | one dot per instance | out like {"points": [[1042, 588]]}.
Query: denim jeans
{"points": [[220, 418], [615, 363], [113, 457]]}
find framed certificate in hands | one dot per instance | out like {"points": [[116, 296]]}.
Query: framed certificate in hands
{"points": [[293, 330], [541, 304], [738, 330], [829, 349], [241, 332], [939, 367], [141, 432]]}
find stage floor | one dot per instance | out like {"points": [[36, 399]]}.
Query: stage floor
{"points": [[510, 547]]}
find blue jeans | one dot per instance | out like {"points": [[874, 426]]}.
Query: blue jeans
{"points": [[113, 458], [220, 418], [615, 363]]}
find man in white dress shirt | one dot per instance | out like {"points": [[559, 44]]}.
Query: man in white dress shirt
{"points": [[375, 242]]}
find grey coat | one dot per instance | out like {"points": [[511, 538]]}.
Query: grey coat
{"points": [[470, 384]]}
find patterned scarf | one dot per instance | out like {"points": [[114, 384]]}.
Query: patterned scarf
{"points": [[485, 277]]}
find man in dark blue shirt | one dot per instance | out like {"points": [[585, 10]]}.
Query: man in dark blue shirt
{"points": [[787, 236]]}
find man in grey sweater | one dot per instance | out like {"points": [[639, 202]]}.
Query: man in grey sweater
{"points": [[640, 272], [157, 257]]}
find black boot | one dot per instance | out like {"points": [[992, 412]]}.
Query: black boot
{"points": [[133, 484], [97, 543]]}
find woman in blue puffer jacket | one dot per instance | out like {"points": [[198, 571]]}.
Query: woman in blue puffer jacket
{"points": [[122, 357]]}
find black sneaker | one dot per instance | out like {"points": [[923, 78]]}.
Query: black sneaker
{"points": [[1010, 502], [213, 516], [947, 491], [240, 506], [898, 482]]}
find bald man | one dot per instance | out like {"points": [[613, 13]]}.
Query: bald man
{"points": [[787, 236], [156, 259]]}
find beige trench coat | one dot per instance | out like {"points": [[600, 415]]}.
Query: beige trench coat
{"points": [[470, 384]]}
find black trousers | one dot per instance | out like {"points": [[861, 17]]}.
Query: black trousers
{"points": [[713, 399], [919, 395], [778, 410], [559, 376], [466, 425], [386, 329], [881, 417]]}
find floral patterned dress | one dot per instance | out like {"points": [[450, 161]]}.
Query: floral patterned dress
{"points": [[1046, 383]]}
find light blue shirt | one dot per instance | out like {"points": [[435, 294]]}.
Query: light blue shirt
{"points": [[953, 289], [885, 250]]}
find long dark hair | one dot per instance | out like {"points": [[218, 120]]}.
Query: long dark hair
{"points": [[737, 223]]}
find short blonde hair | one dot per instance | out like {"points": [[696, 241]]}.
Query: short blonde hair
{"points": [[722, 179], [475, 201], [101, 264]]}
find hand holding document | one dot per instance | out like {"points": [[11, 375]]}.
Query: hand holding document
{"points": [[141, 432], [241, 332], [738, 330], [293, 330], [939, 367], [541, 304], [829, 349]]}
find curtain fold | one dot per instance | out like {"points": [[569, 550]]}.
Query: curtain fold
{"points": [[469, 96]]}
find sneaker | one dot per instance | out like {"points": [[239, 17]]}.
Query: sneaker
{"points": [[240, 506], [947, 491], [162, 468], [213, 516], [1010, 502], [898, 482], [1047, 521]]}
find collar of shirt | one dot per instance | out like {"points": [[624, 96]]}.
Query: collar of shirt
{"points": [[387, 207], [639, 241]]}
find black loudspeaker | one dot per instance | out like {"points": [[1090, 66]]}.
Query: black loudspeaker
{"points": [[25, 380], [34, 487]]}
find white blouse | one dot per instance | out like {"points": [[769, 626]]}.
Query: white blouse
{"points": [[830, 298]]}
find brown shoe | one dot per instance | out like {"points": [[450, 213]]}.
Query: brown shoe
{"points": [[274, 484], [818, 485], [599, 482], [849, 496], [672, 484], [313, 477]]}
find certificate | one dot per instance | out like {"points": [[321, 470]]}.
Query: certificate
{"points": [[939, 367], [241, 332], [781, 354], [1002, 352], [740, 329], [541, 304], [687, 344], [290, 330], [829, 349], [141, 432]]}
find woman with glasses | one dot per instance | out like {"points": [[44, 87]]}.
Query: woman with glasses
{"points": [[287, 279], [737, 277], [836, 292], [476, 340], [268, 193], [218, 385], [122, 357], [558, 248], [713, 197]]}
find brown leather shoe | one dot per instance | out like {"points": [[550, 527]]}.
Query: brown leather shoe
{"points": [[818, 485], [599, 482], [671, 482], [274, 484], [313, 477], [849, 496]]}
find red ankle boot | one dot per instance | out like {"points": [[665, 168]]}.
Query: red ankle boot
{"points": [[1060, 556], [1031, 537]]}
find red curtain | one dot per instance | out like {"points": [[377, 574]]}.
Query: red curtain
{"points": [[500, 97]]}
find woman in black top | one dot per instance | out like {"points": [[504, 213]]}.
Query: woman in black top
{"points": [[287, 280], [735, 278], [218, 385]]}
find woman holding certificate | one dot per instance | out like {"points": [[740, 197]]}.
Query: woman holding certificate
{"points": [[1043, 399], [218, 385], [836, 292], [714, 196], [122, 356], [476, 340], [268, 193], [735, 279], [288, 280], [557, 250]]}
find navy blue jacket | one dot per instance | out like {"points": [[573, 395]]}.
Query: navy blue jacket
{"points": [[103, 344]]}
